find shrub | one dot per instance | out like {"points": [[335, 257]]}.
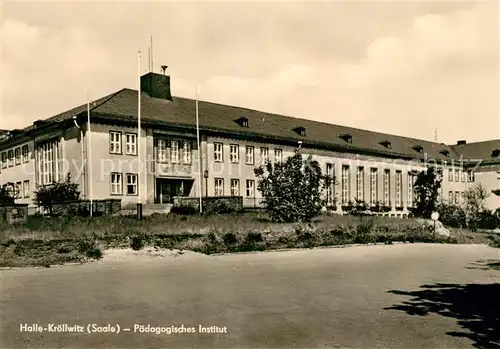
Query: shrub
{"points": [[217, 207], [137, 242], [452, 215], [229, 238], [184, 210], [89, 248], [57, 192], [5, 196], [293, 189]]}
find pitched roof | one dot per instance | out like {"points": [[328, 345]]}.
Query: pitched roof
{"points": [[218, 117], [479, 150]]}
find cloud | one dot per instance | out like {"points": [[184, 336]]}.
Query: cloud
{"points": [[376, 71]]}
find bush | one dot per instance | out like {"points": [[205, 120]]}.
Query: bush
{"points": [[452, 215], [57, 192], [217, 207], [137, 242], [229, 238], [184, 210], [89, 248]]}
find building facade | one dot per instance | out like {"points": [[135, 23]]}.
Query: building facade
{"points": [[112, 158]]}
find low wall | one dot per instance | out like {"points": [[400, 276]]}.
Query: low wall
{"points": [[14, 213], [235, 203], [82, 207]]}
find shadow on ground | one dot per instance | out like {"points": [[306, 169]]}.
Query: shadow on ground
{"points": [[474, 306], [486, 264]]}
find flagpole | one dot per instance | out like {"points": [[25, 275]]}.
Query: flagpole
{"points": [[199, 149], [89, 165], [139, 126]]}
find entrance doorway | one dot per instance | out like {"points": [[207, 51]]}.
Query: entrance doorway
{"points": [[167, 189]]}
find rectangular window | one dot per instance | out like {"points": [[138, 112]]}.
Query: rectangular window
{"points": [[26, 152], [18, 156], [471, 176], [330, 190], [399, 189], [219, 187], [116, 183], [450, 197], [132, 184], [131, 143], [463, 176], [387, 187], [463, 196], [249, 155], [278, 155], [4, 159], [47, 155], [373, 186], [234, 153], [264, 156], [218, 155], [345, 184], [457, 197], [250, 189], [411, 181], [19, 186], [115, 142], [162, 150], [174, 151], [235, 187], [360, 184], [457, 175], [10, 155], [26, 189], [450, 175], [186, 152]]}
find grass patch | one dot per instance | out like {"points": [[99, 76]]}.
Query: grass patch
{"points": [[46, 241]]}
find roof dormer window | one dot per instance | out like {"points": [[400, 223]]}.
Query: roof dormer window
{"points": [[243, 121], [386, 144], [346, 137], [445, 152], [418, 148], [300, 131]]}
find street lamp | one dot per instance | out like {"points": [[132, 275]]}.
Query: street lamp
{"points": [[205, 175]]}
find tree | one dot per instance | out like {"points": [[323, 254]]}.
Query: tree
{"points": [[5, 196], [475, 199], [56, 192], [293, 190], [426, 189]]}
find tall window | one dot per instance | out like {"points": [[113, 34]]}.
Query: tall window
{"points": [[47, 164], [131, 143], [463, 175], [131, 184], [249, 155], [18, 156], [26, 189], [115, 142], [373, 186], [360, 183], [4, 159], [218, 152], [174, 151], [116, 183], [471, 176], [411, 181], [457, 175], [10, 155], [162, 150], [186, 152], [345, 184], [234, 153], [457, 197], [235, 187], [450, 197], [26, 153], [330, 190], [264, 156], [19, 186], [250, 188], [278, 155], [399, 189], [387, 187], [450, 175], [219, 187]]}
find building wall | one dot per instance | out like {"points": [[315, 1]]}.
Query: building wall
{"points": [[490, 180]]}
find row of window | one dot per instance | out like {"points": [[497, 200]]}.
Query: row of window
{"points": [[115, 143], [456, 175], [454, 197], [180, 151], [234, 154], [234, 188], [14, 157], [373, 186], [24, 189]]}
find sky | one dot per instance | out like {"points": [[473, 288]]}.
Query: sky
{"points": [[405, 68]]}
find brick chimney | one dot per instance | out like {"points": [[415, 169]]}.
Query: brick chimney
{"points": [[156, 85], [461, 142]]}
